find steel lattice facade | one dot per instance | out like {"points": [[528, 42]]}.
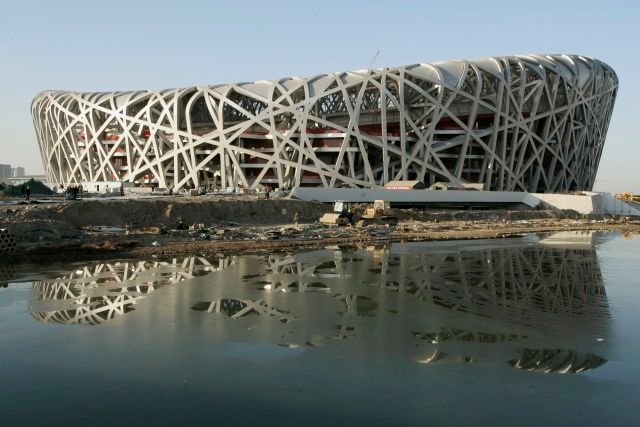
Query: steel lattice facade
{"points": [[533, 123]]}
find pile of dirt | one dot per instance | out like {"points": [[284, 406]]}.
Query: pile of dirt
{"points": [[35, 233], [167, 211], [38, 225], [36, 187], [149, 224]]}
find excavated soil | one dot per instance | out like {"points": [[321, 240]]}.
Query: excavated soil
{"points": [[67, 230], [165, 211]]}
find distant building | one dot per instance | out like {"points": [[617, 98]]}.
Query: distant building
{"points": [[17, 172], [5, 173]]}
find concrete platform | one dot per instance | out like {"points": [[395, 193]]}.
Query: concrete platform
{"points": [[586, 203], [589, 203], [415, 197]]}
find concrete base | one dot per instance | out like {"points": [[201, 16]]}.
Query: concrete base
{"points": [[588, 203], [414, 197]]}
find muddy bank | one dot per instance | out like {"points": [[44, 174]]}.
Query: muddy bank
{"points": [[149, 246], [146, 227], [346, 238], [62, 224]]}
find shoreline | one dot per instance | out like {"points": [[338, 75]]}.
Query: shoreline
{"points": [[131, 249], [97, 229]]}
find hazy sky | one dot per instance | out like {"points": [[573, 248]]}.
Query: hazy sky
{"points": [[117, 45]]}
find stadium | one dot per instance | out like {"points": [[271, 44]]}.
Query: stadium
{"points": [[532, 123]]}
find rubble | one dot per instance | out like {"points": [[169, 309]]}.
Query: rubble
{"points": [[149, 227]]}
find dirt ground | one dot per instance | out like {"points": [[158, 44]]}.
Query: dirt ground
{"points": [[129, 228]]}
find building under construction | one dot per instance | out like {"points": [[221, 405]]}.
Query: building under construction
{"points": [[532, 123]]}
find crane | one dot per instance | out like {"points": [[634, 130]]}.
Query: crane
{"points": [[373, 60]]}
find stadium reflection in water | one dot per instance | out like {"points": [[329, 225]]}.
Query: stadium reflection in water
{"points": [[532, 303]]}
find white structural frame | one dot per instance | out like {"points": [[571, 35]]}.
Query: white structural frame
{"points": [[515, 123]]}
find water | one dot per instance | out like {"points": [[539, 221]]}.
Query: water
{"points": [[531, 330]]}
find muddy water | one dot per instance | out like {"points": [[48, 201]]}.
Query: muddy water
{"points": [[526, 330]]}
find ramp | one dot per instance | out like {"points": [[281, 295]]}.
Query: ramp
{"points": [[414, 197]]}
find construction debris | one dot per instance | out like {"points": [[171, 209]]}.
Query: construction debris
{"points": [[628, 197], [130, 227], [36, 187], [105, 229]]}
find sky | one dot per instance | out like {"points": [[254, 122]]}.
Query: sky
{"points": [[125, 45]]}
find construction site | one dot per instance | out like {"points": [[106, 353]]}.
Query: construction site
{"points": [[51, 228], [451, 150]]}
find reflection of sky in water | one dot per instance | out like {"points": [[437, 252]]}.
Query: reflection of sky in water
{"points": [[448, 310]]}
